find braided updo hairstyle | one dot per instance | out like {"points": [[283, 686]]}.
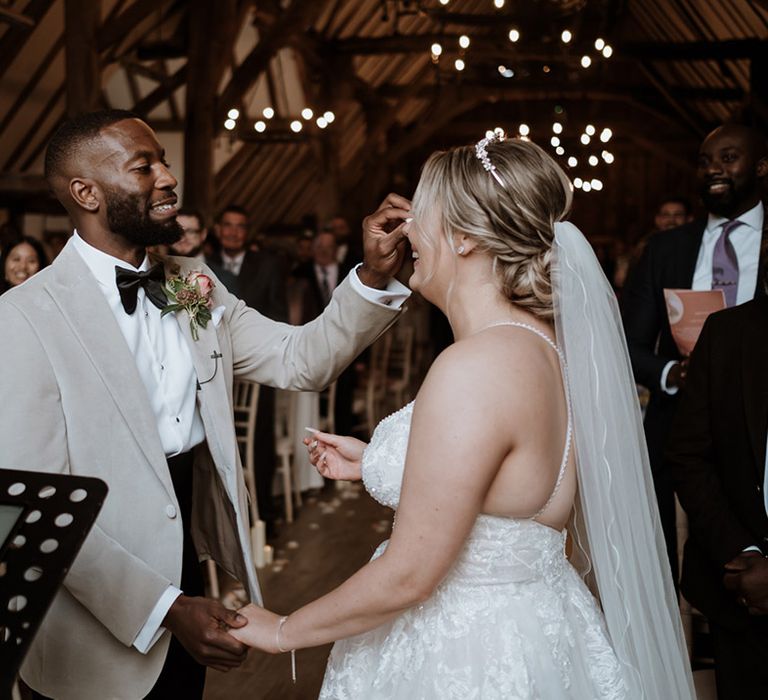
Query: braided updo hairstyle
{"points": [[514, 223]]}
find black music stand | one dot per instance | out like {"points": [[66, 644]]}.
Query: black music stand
{"points": [[44, 519]]}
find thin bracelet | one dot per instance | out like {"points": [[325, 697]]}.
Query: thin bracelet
{"points": [[280, 624]]}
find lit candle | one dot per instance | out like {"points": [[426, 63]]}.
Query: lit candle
{"points": [[269, 554], [258, 542]]}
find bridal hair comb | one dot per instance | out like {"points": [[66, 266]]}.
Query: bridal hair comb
{"points": [[482, 154]]}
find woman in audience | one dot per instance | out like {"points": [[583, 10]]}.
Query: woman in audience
{"points": [[21, 259]]}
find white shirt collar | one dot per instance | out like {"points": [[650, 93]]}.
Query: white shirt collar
{"points": [[101, 264], [753, 218], [237, 258]]}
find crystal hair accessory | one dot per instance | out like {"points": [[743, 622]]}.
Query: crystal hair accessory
{"points": [[497, 135]]}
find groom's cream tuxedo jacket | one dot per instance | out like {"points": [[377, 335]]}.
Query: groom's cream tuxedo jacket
{"points": [[73, 402]]}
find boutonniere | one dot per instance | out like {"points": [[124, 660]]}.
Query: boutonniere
{"points": [[193, 295]]}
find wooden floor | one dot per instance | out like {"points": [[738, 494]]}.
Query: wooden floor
{"points": [[333, 536]]}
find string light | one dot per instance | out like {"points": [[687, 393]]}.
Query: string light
{"points": [[557, 127], [329, 116], [593, 161], [566, 36], [268, 112], [437, 50], [577, 182], [230, 124], [597, 184], [506, 72], [560, 151], [607, 51], [599, 43], [589, 129], [322, 122], [459, 64], [586, 187], [307, 113], [554, 141], [444, 2], [233, 113], [605, 135], [464, 41], [524, 130], [586, 61], [296, 126], [584, 138], [260, 126], [514, 35], [498, 4], [608, 157], [573, 161]]}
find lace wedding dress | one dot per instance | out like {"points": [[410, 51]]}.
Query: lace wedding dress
{"points": [[512, 619]]}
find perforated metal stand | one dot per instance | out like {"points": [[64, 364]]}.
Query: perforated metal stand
{"points": [[55, 513]]}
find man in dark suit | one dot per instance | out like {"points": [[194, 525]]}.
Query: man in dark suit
{"points": [[720, 252], [321, 275], [260, 282], [716, 452], [190, 245]]}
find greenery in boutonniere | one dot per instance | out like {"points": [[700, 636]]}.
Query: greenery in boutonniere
{"points": [[193, 295]]}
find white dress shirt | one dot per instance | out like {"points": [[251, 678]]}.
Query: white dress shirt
{"points": [[233, 263], [746, 243], [165, 366]]}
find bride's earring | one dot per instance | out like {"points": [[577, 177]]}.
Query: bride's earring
{"points": [[460, 250]]}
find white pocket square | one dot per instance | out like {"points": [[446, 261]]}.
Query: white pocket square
{"points": [[217, 314]]}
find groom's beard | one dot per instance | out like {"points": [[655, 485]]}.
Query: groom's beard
{"points": [[128, 217]]}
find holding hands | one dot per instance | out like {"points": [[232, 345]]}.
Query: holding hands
{"points": [[746, 576], [261, 631], [336, 456]]}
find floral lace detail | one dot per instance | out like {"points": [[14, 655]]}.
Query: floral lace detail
{"points": [[511, 620]]}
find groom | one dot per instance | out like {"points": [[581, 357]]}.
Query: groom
{"points": [[95, 381]]}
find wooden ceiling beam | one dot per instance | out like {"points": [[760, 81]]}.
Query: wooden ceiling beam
{"points": [[12, 17], [121, 26], [161, 92], [16, 35], [299, 15], [83, 74], [497, 41]]}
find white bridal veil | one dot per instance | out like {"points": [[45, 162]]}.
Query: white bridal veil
{"points": [[617, 520]]}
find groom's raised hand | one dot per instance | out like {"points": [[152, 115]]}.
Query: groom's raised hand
{"points": [[384, 242], [200, 625]]}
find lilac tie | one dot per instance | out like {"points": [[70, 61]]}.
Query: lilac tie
{"points": [[725, 264]]}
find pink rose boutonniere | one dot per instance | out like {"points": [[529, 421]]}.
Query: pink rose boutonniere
{"points": [[193, 295]]}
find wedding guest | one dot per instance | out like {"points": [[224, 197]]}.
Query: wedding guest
{"points": [[673, 212], [716, 452], [21, 259], [105, 385], [721, 251]]}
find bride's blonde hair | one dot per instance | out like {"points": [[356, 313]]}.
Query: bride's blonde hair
{"points": [[513, 222]]}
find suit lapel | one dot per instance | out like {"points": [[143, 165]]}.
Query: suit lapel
{"points": [[754, 377], [81, 302]]}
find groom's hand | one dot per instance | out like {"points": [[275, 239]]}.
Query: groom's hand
{"points": [[200, 625], [384, 242]]}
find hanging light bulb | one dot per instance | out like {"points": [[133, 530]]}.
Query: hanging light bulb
{"points": [[607, 51], [593, 160], [260, 126], [307, 113], [524, 130], [577, 182], [464, 41], [589, 129], [459, 64], [444, 2], [233, 113], [566, 36], [608, 157], [605, 135], [506, 72], [599, 43], [230, 124], [296, 126], [597, 184], [514, 35], [554, 141], [437, 50], [498, 4], [560, 151], [586, 61], [268, 112], [557, 127], [573, 161], [586, 187], [584, 138], [322, 122], [329, 116]]}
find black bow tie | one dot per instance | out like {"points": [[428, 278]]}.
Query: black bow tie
{"points": [[128, 283]]}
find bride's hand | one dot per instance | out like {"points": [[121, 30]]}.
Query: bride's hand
{"points": [[261, 630], [336, 456]]}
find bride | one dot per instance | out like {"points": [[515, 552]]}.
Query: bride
{"points": [[527, 424]]}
